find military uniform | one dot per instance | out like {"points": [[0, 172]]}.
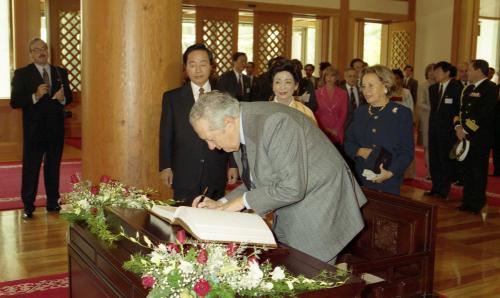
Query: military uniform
{"points": [[390, 127], [476, 118]]}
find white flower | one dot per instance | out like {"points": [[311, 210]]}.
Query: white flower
{"points": [[289, 284], [267, 286], [277, 274], [254, 276], [156, 258], [84, 204], [186, 267], [167, 270]]}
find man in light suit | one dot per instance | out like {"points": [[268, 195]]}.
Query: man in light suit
{"points": [[234, 81], [186, 165], [288, 166], [41, 90]]}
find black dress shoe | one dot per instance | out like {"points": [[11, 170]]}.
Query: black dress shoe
{"points": [[463, 208], [430, 193], [54, 209], [27, 215], [458, 183]]}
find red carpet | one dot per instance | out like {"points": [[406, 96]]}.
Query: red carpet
{"points": [[75, 142], [49, 286], [10, 183], [492, 189]]}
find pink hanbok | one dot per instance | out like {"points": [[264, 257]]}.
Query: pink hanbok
{"points": [[332, 112]]}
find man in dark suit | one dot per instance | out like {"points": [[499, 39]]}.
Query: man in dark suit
{"points": [[496, 143], [234, 81], [356, 97], [309, 70], [410, 83], [475, 122], [288, 166], [186, 164], [445, 103], [41, 90]]}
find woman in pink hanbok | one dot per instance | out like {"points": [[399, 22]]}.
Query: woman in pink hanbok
{"points": [[332, 106]]}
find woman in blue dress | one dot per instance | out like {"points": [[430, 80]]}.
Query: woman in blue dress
{"points": [[380, 130]]}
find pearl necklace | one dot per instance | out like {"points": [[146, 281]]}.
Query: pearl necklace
{"points": [[381, 108]]}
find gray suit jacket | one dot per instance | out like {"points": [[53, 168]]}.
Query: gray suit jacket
{"points": [[299, 174]]}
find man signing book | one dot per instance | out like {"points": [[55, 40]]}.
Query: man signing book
{"points": [[287, 166]]}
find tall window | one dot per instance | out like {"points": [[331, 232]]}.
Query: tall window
{"points": [[488, 41], [372, 46], [245, 34], [304, 40], [5, 49], [188, 28]]}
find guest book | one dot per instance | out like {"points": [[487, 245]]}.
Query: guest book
{"points": [[218, 226]]}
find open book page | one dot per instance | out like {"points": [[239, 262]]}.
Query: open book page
{"points": [[218, 226]]}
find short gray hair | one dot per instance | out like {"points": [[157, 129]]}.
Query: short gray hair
{"points": [[214, 106], [383, 73]]}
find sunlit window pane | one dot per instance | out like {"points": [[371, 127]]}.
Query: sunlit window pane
{"points": [[245, 39], [488, 42], [372, 46], [4, 49]]}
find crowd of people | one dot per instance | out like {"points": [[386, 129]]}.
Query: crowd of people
{"points": [[371, 114]]}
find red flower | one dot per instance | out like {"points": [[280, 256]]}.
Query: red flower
{"points": [[202, 287], [93, 210], [202, 257], [94, 190], [126, 192], [231, 249], [173, 247], [105, 179], [252, 259], [74, 179], [148, 281], [181, 236]]}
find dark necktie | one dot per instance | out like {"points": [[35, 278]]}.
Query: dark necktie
{"points": [[46, 79], [245, 176], [440, 95], [353, 99], [202, 91]]}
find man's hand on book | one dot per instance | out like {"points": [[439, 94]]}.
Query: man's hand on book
{"points": [[233, 205], [204, 202]]}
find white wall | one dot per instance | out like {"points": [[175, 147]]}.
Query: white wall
{"points": [[383, 6], [434, 22], [334, 4]]}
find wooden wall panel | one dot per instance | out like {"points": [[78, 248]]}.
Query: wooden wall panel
{"points": [[272, 36], [11, 131], [217, 28]]}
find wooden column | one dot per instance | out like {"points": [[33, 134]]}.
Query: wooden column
{"points": [[345, 41], [26, 26], [131, 54], [26, 20]]}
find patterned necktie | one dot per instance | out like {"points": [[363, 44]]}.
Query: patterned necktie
{"points": [[201, 92], [45, 77], [245, 176], [242, 87]]}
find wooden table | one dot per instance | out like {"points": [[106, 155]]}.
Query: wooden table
{"points": [[96, 270]]}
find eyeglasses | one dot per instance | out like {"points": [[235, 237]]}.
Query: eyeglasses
{"points": [[38, 50]]}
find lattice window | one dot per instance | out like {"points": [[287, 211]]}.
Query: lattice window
{"points": [[218, 37], [69, 45], [271, 43], [400, 49]]}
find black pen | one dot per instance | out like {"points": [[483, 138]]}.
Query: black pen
{"points": [[203, 194]]}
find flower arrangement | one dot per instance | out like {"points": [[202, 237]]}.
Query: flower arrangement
{"points": [[86, 202], [189, 268]]}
